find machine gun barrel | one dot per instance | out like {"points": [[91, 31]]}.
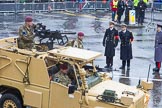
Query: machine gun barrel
{"points": [[68, 32]]}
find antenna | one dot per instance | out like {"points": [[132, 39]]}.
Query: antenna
{"points": [[139, 83], [148, 72]]}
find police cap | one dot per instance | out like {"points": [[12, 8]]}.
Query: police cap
{"points": [[123, 25], [159, 25], [111, 23]]}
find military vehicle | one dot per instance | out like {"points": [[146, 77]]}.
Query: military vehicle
{"points": [[25, 80]]}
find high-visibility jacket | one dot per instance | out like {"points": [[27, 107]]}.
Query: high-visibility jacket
{"points": [[146, 1], [136, 2], [114, 4]]}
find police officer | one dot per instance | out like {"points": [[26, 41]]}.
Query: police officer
{"points": [[141, 11], [110, 41], [136, 9], [78, 43], [120, 9], [61, 76], [129, 6], [158, 48], [26, 34], [126, 38]]}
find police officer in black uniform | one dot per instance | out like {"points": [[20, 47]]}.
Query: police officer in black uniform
{"points": [[141, 11], [126, 38], [129, 6], [120, 9], [110, 41]]}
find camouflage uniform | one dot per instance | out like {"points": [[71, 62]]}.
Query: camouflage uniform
{"points": [[26, 37], [61, 78], [78, 43]]}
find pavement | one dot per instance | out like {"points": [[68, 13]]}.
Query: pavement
{"points": [[94, 24]]}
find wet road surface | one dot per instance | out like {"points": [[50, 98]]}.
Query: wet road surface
{"points": [[94, 26]]}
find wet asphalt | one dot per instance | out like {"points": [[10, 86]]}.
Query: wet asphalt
{"points": [[94, 24]]}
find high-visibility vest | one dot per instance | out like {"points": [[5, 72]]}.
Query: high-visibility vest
{"points": [[136, 2], [146, 1], [115, 3]]}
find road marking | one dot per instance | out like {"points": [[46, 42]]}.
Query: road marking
{"points": [[81, 15], [85, 16]]}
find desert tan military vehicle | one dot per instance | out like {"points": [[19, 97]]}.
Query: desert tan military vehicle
{"points": [[25, 80]]}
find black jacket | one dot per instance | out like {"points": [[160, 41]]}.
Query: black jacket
{"points": [[110, 41], [141, 6], [126, 45], [121, 6]]}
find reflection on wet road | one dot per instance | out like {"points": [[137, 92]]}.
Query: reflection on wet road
{"points": [[94, 26]]}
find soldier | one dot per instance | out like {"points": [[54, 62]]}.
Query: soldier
{"points": [[26, 34], [158, 48], [141, 10], [110, 41], [79, 41], [61, 76], [129, 6], [126, 38], [120, 9]]}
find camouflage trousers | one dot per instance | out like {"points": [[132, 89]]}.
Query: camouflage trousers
{"points": [[25, 45]]}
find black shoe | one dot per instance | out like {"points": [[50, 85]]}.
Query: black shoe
{"points": [[128, 68], [110, 68], [156, 69], [122, 67], [106, 66]]}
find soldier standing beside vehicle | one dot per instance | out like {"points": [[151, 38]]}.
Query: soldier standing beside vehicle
{"points": [[158, 49], [61, 76], [126, 38], [141, 9], [26, 34], [113, 5], [129, 6], [110, 41], [120, 10], [78, 43]]}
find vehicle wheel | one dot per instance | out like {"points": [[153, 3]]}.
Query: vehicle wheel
{"points": [[10, 101]]}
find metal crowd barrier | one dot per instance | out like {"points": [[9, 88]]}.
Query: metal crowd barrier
{"points": [[67, 5], [52, 6], [155, 6]]}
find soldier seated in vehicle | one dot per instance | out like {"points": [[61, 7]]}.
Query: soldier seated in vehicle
{"points": [[26, 34], [61, 76]]}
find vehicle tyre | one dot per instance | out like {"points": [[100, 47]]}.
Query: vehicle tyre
{"points": [[10, 101]]}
